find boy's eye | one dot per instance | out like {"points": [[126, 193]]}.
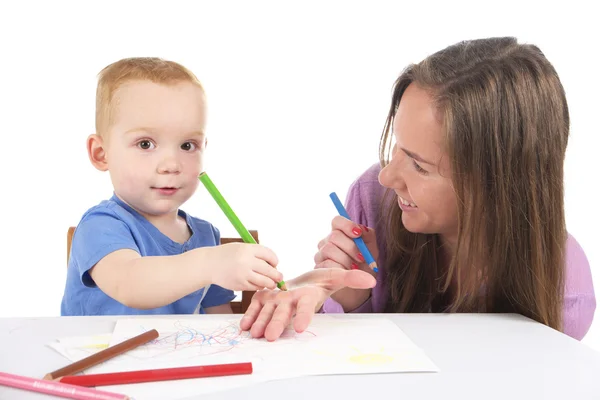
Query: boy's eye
{"points": [[145, 144], [188, 146]]}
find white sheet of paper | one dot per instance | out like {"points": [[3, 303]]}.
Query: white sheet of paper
{"points": [[76, 348], [332, 345]]}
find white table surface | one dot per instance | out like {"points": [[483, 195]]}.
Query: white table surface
{"points": [[481, 356]]}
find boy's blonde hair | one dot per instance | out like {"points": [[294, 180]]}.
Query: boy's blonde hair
{"points": [[116, 74]]}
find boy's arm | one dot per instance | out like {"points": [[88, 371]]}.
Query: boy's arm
{"points": [[218, 300], [150, 282]]}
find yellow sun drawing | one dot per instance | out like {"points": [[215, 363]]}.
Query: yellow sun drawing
{"points": [[99, 346], [370, 358], [358, 356]]}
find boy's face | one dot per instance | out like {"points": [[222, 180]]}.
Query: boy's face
{"points": [[154, 147]]}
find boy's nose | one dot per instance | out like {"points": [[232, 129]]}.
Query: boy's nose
{"points": [[169, 165]]}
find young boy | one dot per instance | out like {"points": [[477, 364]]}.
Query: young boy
{"points": [[138, 253]]}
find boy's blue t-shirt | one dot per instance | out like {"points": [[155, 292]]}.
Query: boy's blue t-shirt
{"points": [[113, 225]]}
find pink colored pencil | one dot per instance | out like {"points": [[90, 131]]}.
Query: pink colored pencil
{"points": [[56, 388]]}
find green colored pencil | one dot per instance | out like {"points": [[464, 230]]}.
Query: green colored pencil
{"points": [[231, 216]]}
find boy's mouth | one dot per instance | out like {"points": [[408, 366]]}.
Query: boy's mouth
{"points": [[166, 190]]}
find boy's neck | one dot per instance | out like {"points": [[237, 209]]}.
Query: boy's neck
{"points": [[171, 224]]}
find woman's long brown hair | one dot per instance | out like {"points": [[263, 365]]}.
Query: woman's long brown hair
{"points": [[504, 113]]}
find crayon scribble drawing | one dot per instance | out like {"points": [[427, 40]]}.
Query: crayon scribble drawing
{"points": [[204, 341], [182, 339]]}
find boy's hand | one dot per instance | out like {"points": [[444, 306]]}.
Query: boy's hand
{"points": [[243, 266]]}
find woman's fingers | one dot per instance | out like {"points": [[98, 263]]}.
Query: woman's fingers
{"points": [[332, 252], [264, 317], [253, 310], [280, 320], [348, 227], [305, 309]]}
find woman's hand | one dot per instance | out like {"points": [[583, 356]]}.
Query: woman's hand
{"points": [[271, 311], [338, 250]]}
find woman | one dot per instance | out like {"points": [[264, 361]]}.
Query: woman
{"points": [[465, 213]]}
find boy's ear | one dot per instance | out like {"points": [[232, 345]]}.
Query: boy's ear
{"points": [[97, 152]]}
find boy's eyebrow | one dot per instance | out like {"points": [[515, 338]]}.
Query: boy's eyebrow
{"points": [[150, 130], [196, 133], [416, 156], [139, 129]]}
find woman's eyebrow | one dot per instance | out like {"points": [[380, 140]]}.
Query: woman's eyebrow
{"points": [[416, 156]]}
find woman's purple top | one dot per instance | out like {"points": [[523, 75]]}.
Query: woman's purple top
{"points": [[363, 202]]}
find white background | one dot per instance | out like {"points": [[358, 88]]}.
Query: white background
{"points": [[297, 91]]}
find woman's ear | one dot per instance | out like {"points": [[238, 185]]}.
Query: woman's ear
{"points": [[97, 152]]}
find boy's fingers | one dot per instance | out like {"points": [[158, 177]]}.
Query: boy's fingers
{"points": [[266, 254], [268, 271], [261, 281]]}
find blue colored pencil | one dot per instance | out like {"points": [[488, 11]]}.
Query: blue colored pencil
{"points": [[359, 241]]}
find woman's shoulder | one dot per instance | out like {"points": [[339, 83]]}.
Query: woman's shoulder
{"points": [[367, 185], [578, 272], [370, 176], [365, 195], [580, 299]]}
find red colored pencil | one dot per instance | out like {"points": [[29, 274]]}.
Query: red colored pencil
{"points": [[154, 375]]}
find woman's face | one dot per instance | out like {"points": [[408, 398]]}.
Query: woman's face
{"points": [[419, 169]]}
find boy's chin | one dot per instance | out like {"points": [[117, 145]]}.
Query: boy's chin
{"points": [[157, 210]]}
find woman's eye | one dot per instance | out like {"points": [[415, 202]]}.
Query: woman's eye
{"points": [[419, 168]]}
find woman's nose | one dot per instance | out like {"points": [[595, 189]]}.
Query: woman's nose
{"points": [[391, 176]]}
